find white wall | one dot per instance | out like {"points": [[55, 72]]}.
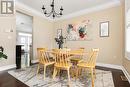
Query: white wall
{"points": [[8, 39], [110, 47], [42, 34]]}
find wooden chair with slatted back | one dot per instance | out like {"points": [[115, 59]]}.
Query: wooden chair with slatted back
{"points": [[44, 60], [62, 62], [90, 63], [79, 55]]}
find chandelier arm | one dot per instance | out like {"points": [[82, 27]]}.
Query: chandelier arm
{"points": [[48, 14], [57, 14], [52, 12]]}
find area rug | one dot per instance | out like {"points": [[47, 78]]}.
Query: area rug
{"points": [[30, 78]]}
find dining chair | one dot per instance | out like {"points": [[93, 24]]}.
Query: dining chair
{"points": [[90, 63], [62, 62], [78, 54], [44, 59]]}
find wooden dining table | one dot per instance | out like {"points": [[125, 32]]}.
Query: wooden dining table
{"points": [[80, 63], [75, 57]]}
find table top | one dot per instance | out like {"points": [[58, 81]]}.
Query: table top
{"points": [[71, 52]]}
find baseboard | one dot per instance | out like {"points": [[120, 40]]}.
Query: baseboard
{"points": [[34, 61], [126, 74], [3, 68], [109, 66]]}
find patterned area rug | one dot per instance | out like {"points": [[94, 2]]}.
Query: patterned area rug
{"points": [[29, 77]]}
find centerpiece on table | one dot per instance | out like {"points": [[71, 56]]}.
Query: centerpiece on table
{"points": [[60, 41]]}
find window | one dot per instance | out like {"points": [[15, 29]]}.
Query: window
{"points": [[23, 40], [127, 32], [128, 43]]}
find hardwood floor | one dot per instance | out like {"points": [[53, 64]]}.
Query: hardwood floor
{"points": [[6, 80], [116, 77]]}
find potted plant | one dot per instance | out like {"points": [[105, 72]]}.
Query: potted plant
{"points": [[60, 41], [2, 55]]}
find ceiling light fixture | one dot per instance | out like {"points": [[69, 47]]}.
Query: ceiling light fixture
{"points": [[53, 12]]}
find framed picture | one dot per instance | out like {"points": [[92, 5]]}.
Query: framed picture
{"points": [[59, 32], [80, 31], [7, 7], [104, 29]]}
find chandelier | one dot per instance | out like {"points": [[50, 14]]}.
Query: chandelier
{"points": [[53, 13]]}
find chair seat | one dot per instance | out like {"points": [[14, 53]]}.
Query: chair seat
{"points": [[85, 65], [75, 59], [63, 66], [47, 63]]}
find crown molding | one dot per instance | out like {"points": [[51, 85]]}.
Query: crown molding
{"points": [[21, 6], [24, 7], [90, 10]]}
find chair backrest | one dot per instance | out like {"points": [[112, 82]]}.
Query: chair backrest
{"points": [[82, 48], [43, 56], [91, 60], [62, 57], [55, 49], [78, 51]]}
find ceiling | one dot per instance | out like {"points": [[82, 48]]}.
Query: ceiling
{"points": [[23, 22], [70, 6]]}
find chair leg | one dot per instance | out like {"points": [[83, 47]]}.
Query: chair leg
{"points": [[38, 68], [68, 72], [44, 72], [92, 77], [58, 71], [54, 72], [77, 72], [80, 71], [94, 70]]}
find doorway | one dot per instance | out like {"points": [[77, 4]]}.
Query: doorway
{"points": [[24, 45]]}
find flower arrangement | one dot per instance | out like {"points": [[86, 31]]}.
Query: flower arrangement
{"points": [[60, 41]]}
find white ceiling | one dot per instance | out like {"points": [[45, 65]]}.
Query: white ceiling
{"points": [[23, 22], [70, 6]]}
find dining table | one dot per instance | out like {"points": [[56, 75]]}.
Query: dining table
{"points": [[75, 58]]}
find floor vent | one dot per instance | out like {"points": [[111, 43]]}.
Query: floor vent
{"points": [[123, 78]]}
